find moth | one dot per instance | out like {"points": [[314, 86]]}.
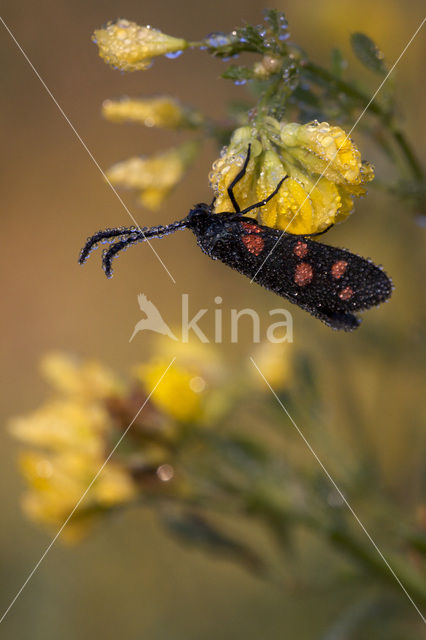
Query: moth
{"points": [[328, 282]]}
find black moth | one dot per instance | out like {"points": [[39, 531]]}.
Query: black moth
{"points": [[328, 282]]}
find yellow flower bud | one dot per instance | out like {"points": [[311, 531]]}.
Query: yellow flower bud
{"points": [[127, 46], [267, 66], [152, 112], [154, 177]]}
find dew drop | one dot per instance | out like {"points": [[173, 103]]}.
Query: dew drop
{"points": [[217, 40], [197, 384], [173, 54], [165, 472]]}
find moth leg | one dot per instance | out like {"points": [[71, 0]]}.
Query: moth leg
{"points": [[318, 233], [237, 178], [263, 202]]}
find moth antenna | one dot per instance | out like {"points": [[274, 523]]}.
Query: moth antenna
{"points": [[110, 253], [126, 238], [101, 236]]}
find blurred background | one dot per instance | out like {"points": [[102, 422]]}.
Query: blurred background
{"points": [[129, 578]]}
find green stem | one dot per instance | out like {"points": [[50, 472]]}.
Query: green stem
{"points": [[407, 151], [277, 519]]}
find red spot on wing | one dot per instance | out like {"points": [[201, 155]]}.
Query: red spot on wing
{"points": [[338, 269], [300, 249], [251, 239], [251, 227], [303, 274], [254, 244], [346, 293]]}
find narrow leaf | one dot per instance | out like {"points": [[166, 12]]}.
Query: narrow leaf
{"points": [[338, 62], [368, 53]]}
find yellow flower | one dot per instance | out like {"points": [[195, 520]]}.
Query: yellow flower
{"points": [[70, 436], [179, 393], [275, 361], [152, 112], [154, 177], [64, 424], [323, 168], [87, 379], [57, 482], [227, 166], [327, 150], [189, 392], [127, 46]]}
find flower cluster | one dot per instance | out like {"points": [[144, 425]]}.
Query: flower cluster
{"points": [[322, 165], [70, 438]]}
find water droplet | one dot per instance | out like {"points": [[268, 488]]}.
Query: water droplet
{"points": [[197, 384], [173, 54], [218, 39], [165, 472]]}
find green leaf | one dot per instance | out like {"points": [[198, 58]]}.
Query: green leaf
{"points": [[277, 23], [237, 74], [251, 36], [195, 530], [368, 53]]}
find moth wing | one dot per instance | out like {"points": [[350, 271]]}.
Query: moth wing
{"points": [[328, 282]]}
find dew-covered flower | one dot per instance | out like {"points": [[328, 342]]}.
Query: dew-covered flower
{"points": [[127, 46], [161, 111], [323, 168], [156, 176], [326, 150]]}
